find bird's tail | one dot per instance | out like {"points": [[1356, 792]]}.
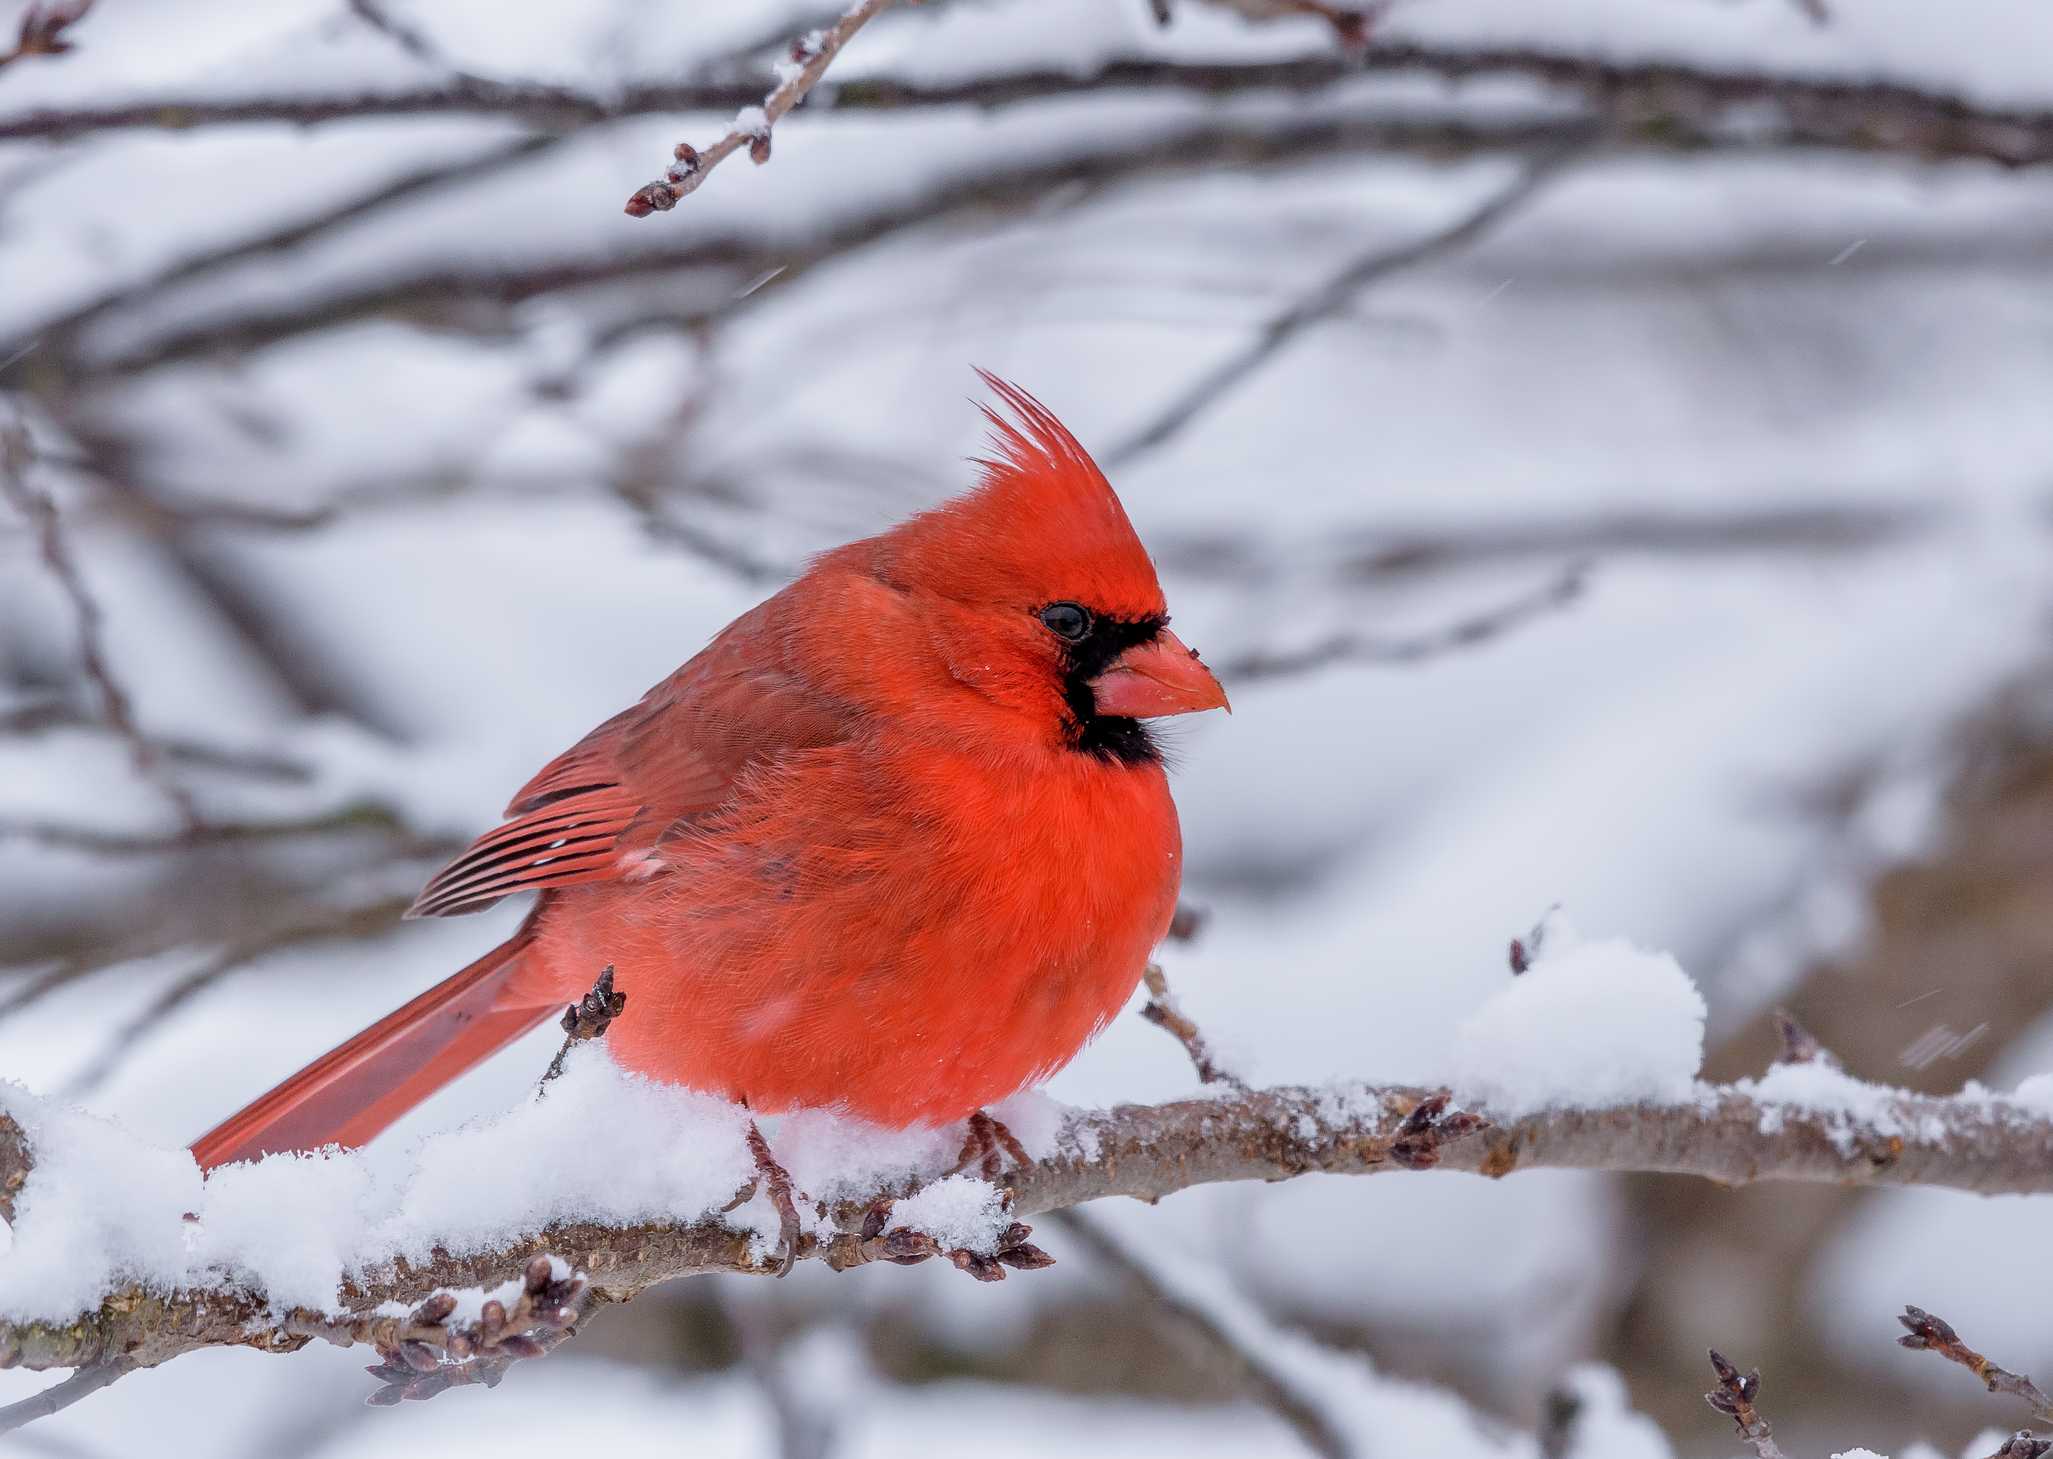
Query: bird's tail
{"points": [[358, 1088]]}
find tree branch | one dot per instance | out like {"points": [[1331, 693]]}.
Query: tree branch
{"points": [[40, 512], [59, 1396], [1927, 1333], [42, 30], [1149, 1151], [1657, 105], [1327, 300], [1366, 648], [1219, 1322], [810, 58], [1734, 1397]]}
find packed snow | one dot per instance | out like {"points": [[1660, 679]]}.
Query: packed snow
{"points": [[1588, 1024]]}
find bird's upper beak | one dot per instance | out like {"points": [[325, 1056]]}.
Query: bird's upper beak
{"points": [[1156, 678]]}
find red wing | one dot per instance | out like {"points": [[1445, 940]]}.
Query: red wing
{"points": [[675, 755]]}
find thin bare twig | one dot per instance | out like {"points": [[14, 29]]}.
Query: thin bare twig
{"points": [[59, 1396], [43, 26], [37, 508], [588, 1018], [1165, 1013], [1927, 1333], [1325, 301], [1734, 1397], [811, 56], [1368, 648], [333, 924]]}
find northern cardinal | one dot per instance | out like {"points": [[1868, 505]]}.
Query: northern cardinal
{"points": [[897, 842]]}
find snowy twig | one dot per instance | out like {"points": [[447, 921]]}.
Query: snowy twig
{"points": [[1724, 1134], [1734, 1397], [40, 512], [1329, 298], [1934, 1334], [588, 1018], [811, 56], [424, 1353], [1366, 648], [42, 29], [1799, 1044], [59, 1396], [1163, 1011], [1223, 1325]]}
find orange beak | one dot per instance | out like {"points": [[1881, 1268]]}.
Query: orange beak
{"points": [[1157, 678]]}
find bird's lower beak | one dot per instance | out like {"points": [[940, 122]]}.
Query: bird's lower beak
{"points": [[1156, 678]]}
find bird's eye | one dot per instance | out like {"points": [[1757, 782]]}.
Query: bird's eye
{"points": [[1066, 621]]}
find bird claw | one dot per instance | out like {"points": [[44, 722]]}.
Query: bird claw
{"points": [[775, 1179], [986, 1146]]}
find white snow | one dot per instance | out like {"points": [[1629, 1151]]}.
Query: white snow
{"points": [[103, 1208], [1587, 1024], [958, 1211]]}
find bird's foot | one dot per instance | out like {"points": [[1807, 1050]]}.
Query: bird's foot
{"points": [[986, 1147], [774, 1178], [904, 1246]]}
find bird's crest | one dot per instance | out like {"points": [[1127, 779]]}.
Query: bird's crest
{"points": [[1042, 524]]}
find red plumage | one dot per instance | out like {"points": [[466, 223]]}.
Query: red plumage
{"points": [[895, 842]]}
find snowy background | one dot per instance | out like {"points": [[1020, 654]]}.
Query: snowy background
{"points": [[397, 457]]}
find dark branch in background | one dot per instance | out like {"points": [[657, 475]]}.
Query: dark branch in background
{"points": [[334, 924], [1644, 104], [1258, 1370], [421, 182], [42, 29], [53, 715], [40, 512], [810, 58], [1734, 1397], [349, 819], [1005, 191], [1327, 300], [1927, 1333], [1369, 648], [59, 1396]]}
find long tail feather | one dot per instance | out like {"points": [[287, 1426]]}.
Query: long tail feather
{"points": [[355, 1090]]}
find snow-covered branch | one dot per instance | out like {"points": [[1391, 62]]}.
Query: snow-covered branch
{"points": [[1824, 1128], [811, 55]]}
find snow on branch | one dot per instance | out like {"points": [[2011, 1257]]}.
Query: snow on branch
{"points": [[811, 55], [122, 1253]]}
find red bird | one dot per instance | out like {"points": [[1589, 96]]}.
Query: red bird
{"points": [[897, 842]]}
